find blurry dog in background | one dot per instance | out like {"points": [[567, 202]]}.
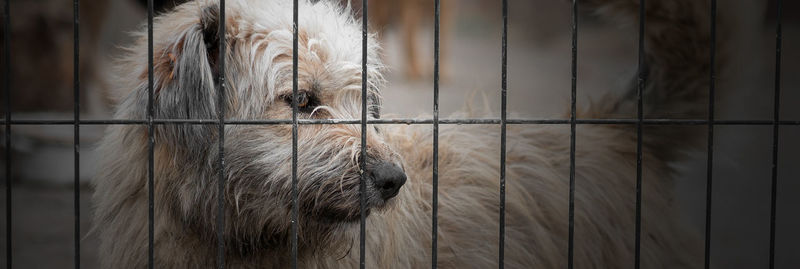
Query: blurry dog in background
{"points": [[410, 17], [40, 38], [257, 229]]}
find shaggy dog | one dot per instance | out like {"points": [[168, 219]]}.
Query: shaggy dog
{"points": [[257, 190]]}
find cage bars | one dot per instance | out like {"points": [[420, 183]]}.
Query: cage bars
{"points": [[295, 18], [710, 149], [776, 103], [76, 135], [414, 121], [363, 160], [221, 130], [640, 82], [503, 129], [435, 179], [150, 142], [639, 122], [572, 132], [7, 123]]}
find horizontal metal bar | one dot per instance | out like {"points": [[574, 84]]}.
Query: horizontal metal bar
{"points": [[404, 121]]}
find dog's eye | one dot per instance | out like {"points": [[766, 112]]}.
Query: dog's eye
{"points": [[302, 100], [306, 101]]}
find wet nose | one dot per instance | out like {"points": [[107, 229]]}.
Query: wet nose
{"points": [[388, 178]]}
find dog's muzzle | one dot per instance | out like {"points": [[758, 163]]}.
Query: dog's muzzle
{"points": [[387, 178]]}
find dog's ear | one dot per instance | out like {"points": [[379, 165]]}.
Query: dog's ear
{"points": [[187, 80], [209, 23]]}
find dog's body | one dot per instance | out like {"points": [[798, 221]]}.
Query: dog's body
{"points": [[257, 227]]}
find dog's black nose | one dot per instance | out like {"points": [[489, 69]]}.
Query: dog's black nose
{"points": [[388, 178]]}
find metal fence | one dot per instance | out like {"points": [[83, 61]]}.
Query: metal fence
{"points": [[503, 121]]}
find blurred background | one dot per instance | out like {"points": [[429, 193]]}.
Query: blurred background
{"points": [[41, 38]]}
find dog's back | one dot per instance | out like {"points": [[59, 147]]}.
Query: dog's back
{"points": [[676, 82]]}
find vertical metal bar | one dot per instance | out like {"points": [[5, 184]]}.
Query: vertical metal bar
{"points": [[76, 135], [221, 131], [710, 150], [150, 141], [7, 56], [504, 112], [435, 191], [363, 164], [639, 116], [572, 116], [294, 133], [775, 127]]}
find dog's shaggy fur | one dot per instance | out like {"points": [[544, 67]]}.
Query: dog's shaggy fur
{"points": [[258, 158]]}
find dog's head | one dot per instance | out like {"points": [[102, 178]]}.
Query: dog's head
{"points": [[258, 85]]}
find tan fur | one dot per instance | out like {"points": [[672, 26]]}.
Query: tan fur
{"points": [[258, 158]]}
